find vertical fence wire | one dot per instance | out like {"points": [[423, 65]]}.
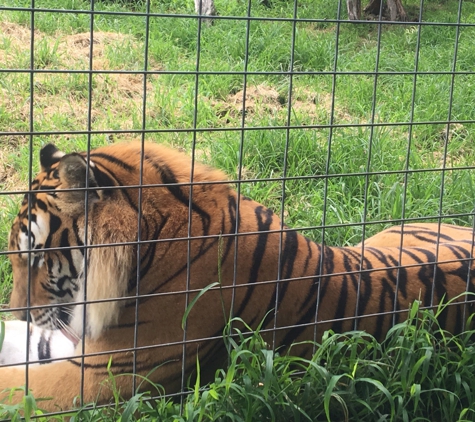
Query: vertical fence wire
{"points": [[140, 190], [190, 198], [87, 231], [408, 157], [242, 138], [30, 181], [327, 171], [368, 161], [443, 170], [284, 172]]}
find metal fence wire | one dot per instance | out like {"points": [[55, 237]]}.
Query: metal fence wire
{"points": [[342, 127]]}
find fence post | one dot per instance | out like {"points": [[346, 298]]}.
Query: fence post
{"points": [[205, 7]]}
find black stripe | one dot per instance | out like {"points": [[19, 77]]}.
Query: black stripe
{"points": [[169, 179], [386, 291], [309, 297], [64, 242], [309, 305], [41, 205], [289, 254], [340, 308], [111, 159], [202, 252], [464, 272], [361, 278], [47, 187], [426, 270], [234, 224], [78, 239], [392, 278], [44, 350], [141, 366], [118, 182], [434, 236], [397, 276], [146, 260], [287, 262], [309, 256], [328, 260], [54, 225], [107, 177], [264, 218], [102, 178]]}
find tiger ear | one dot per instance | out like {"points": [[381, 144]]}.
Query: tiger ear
{"points": [[73, 172], [49, 155]]}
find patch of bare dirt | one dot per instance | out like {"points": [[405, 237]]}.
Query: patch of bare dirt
{"points": [[260, 96], [17, 33], [307, 106], [17, 38], [258, 100], [76, 48], [61, 99]]}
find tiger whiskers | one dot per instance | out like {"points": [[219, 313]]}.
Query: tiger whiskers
{"points": [[68, 332], [67, 310]]}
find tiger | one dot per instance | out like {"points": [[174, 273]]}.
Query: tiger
{"points": [[141, 257]]}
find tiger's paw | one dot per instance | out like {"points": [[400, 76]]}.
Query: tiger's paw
{"points": [[43, 344]]}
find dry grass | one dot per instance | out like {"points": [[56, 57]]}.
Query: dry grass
{"points": [[9, 178], [264, 100], [116, 95]]}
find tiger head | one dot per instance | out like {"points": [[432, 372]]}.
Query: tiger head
{"points": [[47, 249]]}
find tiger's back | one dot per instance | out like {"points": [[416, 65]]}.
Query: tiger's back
{"points": [[420, 235], [150, 243]]}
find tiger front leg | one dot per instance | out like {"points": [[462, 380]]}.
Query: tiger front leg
{"points": [[61, 384], [27, 342]]}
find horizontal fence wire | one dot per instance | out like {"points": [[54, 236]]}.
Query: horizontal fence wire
{"points": [[339, 149]]}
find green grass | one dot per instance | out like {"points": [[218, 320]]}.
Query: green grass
{"points": [[344, 153]]}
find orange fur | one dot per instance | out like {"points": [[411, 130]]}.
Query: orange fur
{"points": [[418, 235]]}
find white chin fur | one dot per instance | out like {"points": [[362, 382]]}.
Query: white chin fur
{"points": [[14, 348]]}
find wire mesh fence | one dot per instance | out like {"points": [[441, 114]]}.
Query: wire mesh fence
{"points": [[342, 127]]}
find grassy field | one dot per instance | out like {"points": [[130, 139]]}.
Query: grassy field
{"points": [[316, 123]]}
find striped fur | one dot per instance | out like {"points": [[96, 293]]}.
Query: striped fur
{"points": [[419, 235], [317, 283]]}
